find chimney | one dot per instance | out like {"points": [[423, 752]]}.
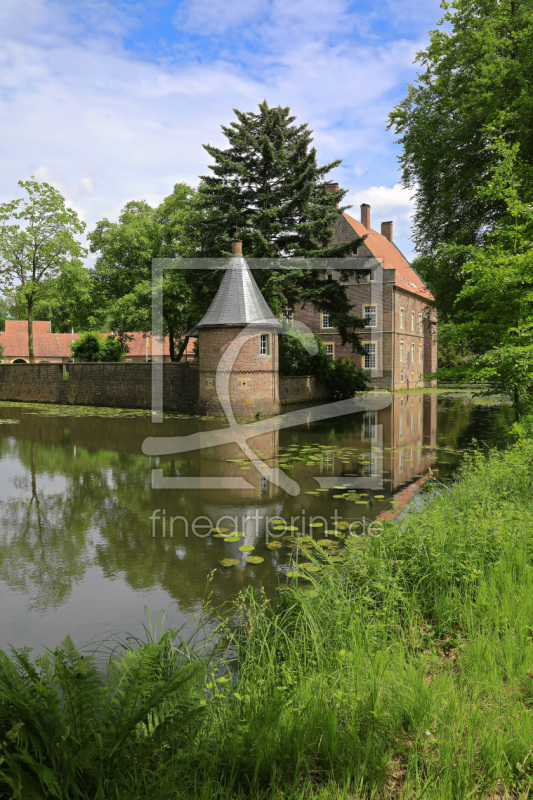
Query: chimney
{"points": [[236, 248], [386, 230], [365, 215], [332, 187]]}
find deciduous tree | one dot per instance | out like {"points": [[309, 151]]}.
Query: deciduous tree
{"points": [[38, 241]]}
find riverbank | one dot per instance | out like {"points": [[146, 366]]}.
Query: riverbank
{"points": [[403, 671]]}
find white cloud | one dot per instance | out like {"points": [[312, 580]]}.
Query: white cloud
{"points": [[104, 125]]}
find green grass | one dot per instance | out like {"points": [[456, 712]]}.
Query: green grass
{"points": [[401, 672]]}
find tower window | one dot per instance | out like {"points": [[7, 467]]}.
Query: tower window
{"points": [[264, 344]]}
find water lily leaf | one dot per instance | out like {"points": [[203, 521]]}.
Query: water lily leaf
{"points": [[246, 548], [325, 543], [274, 545], [311, 567], [230, 562], [292, 573], [254, 560], [316, 524], [379, 496], [231, 538], [219, 530]]}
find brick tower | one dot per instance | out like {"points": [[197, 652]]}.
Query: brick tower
{"points": [[238, 348]]}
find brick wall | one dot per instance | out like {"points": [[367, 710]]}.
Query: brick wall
{"points": [[302, 389], [253, 379], [112, 385]]}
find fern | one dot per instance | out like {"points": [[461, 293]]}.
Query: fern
{"points": [[65, 726]]}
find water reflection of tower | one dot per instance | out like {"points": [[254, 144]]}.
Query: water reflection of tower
{"points": [[410, 431]]}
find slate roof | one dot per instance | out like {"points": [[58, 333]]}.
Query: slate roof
{"points": [[238, 302], [381, 247]]}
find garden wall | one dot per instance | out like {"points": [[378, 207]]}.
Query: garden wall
{"points": [[302, 389], [126, 385], [112, 385]]}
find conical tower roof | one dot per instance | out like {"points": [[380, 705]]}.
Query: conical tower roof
{"points": [[238, 302]]}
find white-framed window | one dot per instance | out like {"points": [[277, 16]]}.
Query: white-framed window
{"points": [[370, 356], [326, 320], [420, 323], [401, 319], [330, 350], [401, 352], [369, 314], [419, 353], [400, 430], [264, 344], [412, 320], [287, 315], [412, 353]]}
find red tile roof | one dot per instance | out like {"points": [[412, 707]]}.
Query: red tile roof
{"points": [[21, 326], [380, 247], [46, 344]]}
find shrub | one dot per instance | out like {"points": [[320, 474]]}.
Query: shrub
{"points": [[344, 377], [95, 347]]}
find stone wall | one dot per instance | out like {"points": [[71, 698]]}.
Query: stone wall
{"points": [[113, 385], [127, 385], [302, 389]]}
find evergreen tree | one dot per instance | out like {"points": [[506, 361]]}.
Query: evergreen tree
{"points": [[268, 190]]}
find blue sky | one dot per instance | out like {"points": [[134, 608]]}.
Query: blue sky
{"points": [[111, 100]]}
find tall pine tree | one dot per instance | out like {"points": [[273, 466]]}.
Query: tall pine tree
{"points": [[268, 190]]}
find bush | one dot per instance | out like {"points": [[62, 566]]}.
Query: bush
{"points": [[95, 347], [344, 377]]}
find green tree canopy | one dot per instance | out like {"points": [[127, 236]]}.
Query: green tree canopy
{"points": [[67, 301], [479, 63], [123, 270], [268, 190], [494, 310], [38, 242]]}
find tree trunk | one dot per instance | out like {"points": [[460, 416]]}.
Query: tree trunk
{"points": [[182, 348], [30, 330], [172, 349]]}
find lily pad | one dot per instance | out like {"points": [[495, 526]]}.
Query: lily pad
{"points": [[246, 548], [325, 543], [293, 573], [274, 545], [316, 524], [230, 562], [219, 530], [231, 538], [254, 560]]}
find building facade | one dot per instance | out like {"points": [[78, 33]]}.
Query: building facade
{"points": [[400, 333]]}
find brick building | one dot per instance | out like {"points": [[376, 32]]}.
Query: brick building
{"points": [[54, 348], [238, 347], [400, 336]]}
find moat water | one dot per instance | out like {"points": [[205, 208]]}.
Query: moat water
{"points": [[87, 542]]}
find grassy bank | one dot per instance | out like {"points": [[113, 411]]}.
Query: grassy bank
{"points": [[406, 670]]}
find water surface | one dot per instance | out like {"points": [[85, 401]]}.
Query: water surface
{"points": [[86, 542]]}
